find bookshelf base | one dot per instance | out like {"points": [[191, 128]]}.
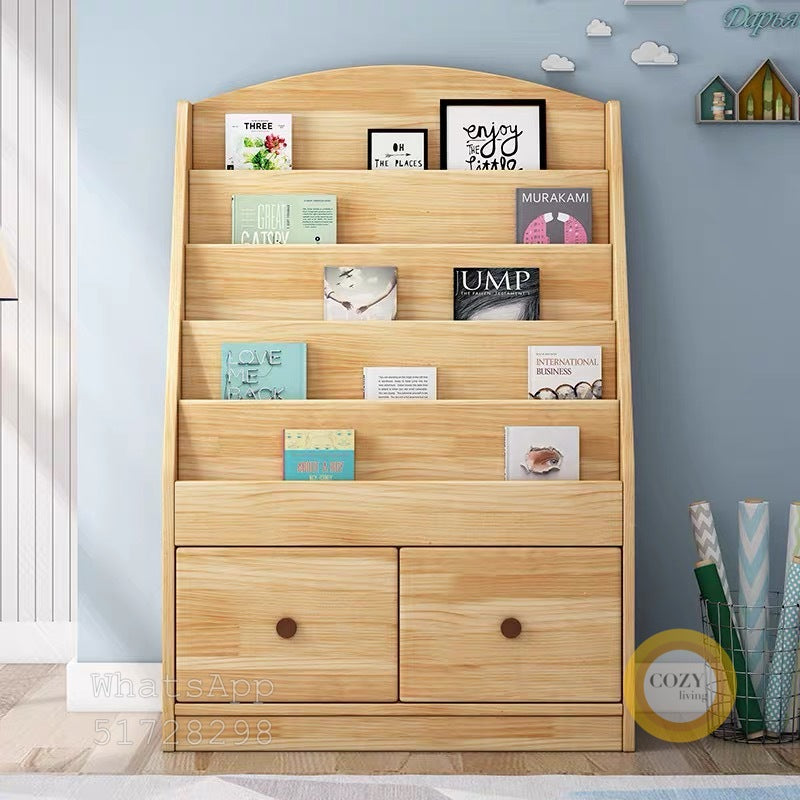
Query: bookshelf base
{"points": [[482, 727]]}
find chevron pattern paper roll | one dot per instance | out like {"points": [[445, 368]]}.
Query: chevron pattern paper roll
{"points": [[705, 540], [753, 583], [780, 692]]}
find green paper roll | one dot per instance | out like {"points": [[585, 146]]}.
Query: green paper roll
{"points": [[719, 615]]}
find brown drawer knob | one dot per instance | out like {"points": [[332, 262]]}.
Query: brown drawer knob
{"points": [[511, 628], [286, 628]]}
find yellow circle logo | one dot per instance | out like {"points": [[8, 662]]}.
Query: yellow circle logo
{"points": [[679, 685]]}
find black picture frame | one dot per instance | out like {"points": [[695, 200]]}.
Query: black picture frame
{"points": [[423, 131], [444, 105]]}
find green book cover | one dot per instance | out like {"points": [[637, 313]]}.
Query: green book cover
{"points": [[264, 371], [284, 218], [319, 455]]}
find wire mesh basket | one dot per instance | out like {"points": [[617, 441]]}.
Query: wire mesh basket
{"points": [[764, 639]]}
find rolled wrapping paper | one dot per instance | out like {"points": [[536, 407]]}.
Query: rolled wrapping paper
{"points": [[793, 539], [753, 583], [719, 616], [793, 549], [705, 540], [779, 700]]}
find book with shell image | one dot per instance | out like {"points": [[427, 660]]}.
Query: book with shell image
{"points": [[548, 452], [560, 372], [319, 454], [360, 293]]}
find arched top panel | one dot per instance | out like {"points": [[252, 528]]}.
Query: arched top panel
{"points": [[332, 111]]}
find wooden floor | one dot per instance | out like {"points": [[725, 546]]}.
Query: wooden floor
{"points": [[38, 735]]}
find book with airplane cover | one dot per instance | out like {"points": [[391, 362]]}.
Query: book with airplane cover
{"points": [[554, 216], [319, 455], [547, 452], [562, 372], [496, 293], [284, 219], [360, 293], [264, 371], [258, 141]]}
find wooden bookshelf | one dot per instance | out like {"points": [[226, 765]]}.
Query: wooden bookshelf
{"points": [[399, 580]]}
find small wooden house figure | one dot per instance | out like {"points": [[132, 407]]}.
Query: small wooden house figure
{"points": [[717, 102], [767, 96]]}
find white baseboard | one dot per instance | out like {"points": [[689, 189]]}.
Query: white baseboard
{"points": [[114, 686], [36, 642]]}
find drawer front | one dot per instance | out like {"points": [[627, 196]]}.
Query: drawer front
{"points": [[277, 624], [510, 624]]}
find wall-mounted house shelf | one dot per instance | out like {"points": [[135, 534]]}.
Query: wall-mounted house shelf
{"points": [[399, 581], [767, 96]]}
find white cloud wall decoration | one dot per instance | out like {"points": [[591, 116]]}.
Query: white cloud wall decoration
{"points": [[597, 27], [652, 54], [556, 63]]}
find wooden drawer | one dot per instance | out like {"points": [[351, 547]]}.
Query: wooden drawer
{"points": [[228, 604], [453, 602]]}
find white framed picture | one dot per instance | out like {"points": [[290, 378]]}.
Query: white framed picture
{"points": [[493, 134], [397, 148]]}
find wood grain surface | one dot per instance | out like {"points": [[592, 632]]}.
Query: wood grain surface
{"points": [[332, 110], [425, 207], [395, 440], [229, 601], [579, 513], [474, 360], [237, 282], [566, 600]]}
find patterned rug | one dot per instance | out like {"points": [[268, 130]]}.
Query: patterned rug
{"points": [[406, 787]]}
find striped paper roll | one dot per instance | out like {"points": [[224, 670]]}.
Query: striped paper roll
{"points": [[780, 683], [705, 540], [753, 583]]}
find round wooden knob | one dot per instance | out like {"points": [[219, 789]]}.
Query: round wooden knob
{"points": [[511, 628], [286, 628]]}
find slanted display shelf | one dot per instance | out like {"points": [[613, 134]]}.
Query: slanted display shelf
{"points": [[429, 604]]}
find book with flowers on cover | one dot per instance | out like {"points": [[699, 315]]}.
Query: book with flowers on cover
{"points": [[262, 141]]}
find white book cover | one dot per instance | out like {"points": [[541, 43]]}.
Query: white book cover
{"points": [[549, 453], [258, 141], [360, 293], [558, 372], [399, 383]]}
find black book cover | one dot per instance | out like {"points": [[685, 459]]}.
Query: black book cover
{"points": [[495, 293]]}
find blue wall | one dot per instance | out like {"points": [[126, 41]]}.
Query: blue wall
{"points": [[714, 278]]}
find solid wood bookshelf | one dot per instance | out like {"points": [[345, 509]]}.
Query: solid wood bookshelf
{"points": [[398, 581]]}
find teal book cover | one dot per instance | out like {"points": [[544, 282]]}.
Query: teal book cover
{"points": [[264, 371], [319, 455], [284, 219]]}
